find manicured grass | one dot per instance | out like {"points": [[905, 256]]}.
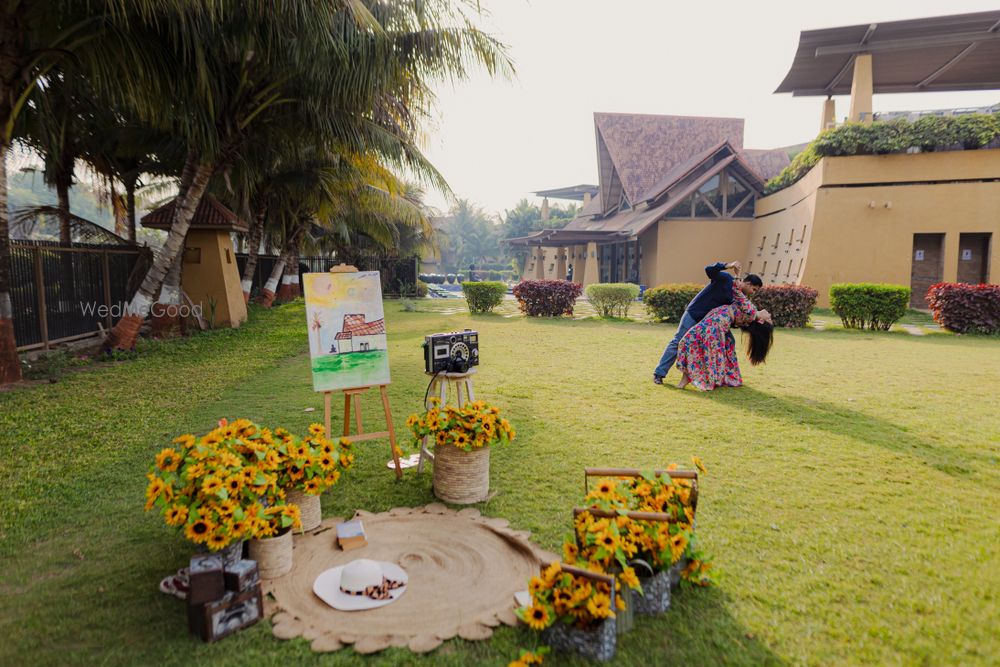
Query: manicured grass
{"points": [[850, 505]]}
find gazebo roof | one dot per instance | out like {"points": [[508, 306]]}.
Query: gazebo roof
{"points": [[575, 192], [941, 53], [211, 214]]}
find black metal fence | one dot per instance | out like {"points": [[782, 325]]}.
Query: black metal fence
{"points": [[63, 293], [399, 275]]}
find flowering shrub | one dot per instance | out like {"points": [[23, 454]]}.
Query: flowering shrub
{"points": [[471, 427], [547, 298], [869, 305], [966, 308], [789, 305], [483, 297], [667, 303], [612, 299], [312, 464]]}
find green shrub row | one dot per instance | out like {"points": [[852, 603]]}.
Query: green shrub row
{"points": [[666, 303], [612, 299], [930, 133], [869, 305], [789, 305], [483, 297]]}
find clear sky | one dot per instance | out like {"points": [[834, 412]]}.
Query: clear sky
{"points": [[496, 142]]}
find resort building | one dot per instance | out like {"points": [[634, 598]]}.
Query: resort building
{"points": [[676, 192]]}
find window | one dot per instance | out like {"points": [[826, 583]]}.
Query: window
{"points": [[739, 198], [708, 201], [684, 209], [229, 257]]}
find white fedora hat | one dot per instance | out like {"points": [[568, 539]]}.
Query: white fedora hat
{"points": [[361, 584]]}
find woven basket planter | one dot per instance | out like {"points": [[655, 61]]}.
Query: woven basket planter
{"points": [[597, 644], [309, 509], [273, 555], [461, 477], [656, 594]]}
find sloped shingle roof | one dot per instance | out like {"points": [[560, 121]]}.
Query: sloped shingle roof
{"points": [[211, 214]]}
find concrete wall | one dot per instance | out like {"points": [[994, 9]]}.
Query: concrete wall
{"points": [[684, 247], [864, 233], [213, 276]]}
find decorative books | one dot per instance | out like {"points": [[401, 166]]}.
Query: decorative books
{"points": [[351, 535]]}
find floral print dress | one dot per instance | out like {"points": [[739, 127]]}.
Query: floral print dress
{"points": [[707, 354]]}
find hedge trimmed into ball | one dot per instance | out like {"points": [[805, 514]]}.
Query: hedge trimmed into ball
{"points": [[789, 305], [612, 299], [547, 298], [483, 297], [666, 303], [964, 308], [874, 306]]}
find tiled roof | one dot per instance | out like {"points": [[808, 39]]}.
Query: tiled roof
{"points": [[210, 215], [646, 148], [766, 162], [355, 325]]}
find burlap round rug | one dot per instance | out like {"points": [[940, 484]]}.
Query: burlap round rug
{"points": [[463, 568]]}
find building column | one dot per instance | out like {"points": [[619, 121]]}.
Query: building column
{"points": [[861, 89], [545, 208], [540, 263], [829, 118], [591, 274], [562, 255]]}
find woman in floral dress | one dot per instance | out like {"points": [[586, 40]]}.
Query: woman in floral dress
{"points": [[707, 354]]}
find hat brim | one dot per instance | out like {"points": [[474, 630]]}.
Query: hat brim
{"points": [[327, 588]]}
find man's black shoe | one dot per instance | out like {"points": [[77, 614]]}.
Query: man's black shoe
{"points": [[657, 379]]}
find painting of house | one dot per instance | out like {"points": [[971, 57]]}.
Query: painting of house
{"points": [[359, 336], [346, 327]]}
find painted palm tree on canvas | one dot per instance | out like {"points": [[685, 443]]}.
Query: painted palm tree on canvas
{"points": [[346, 330]]}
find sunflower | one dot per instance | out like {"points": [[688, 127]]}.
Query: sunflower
{"points": [[216, 540], [608, 540], [412, 420], [194, 471], [345, 443], [295, 472], [599, 606], [582, 592], [332, 478], [211, 485], [699, 464], [537, 617], [317, 429], [461, 439], [346, 460], [326, 461], [327, 447], [312, 485], [562, 599], [187, 440], [536, 585], [168, 460], [176, 515], [629, 578], [678, 543], [233, 484], [441, 438], [198, 530], [570, 552]]}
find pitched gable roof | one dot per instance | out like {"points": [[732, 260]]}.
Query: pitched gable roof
{"points": [[766, 162], [639, 150], [210, 214]]}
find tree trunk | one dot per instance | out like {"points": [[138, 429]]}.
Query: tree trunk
{"points": [[125, 333], [62, 195], [121, 215], [267, 293], [10, 365], [253, 250], [130, 210], [290, 280], [166, 319]]}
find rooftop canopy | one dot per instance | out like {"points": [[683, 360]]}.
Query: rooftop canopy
{"points": [[211, 214], [942, 53], [577, 192]]}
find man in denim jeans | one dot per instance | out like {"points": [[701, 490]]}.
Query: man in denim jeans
{"points": [[718, 292]]}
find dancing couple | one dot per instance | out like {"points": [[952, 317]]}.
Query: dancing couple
{"points": [[703, 347]]}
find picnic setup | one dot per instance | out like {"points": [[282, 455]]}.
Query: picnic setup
{"points": [[248, 497]]}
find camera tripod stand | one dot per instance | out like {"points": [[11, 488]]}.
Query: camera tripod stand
{"points": [[440, 384]]}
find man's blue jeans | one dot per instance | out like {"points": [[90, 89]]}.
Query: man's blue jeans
{"points": [[670, 354]]}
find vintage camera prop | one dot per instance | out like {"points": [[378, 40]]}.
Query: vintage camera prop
{"points": [[232, 612], [453, 352]]}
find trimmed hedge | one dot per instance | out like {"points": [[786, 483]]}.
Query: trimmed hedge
{"points": [[483, 297], [964, 308], [612, 299], [874, 306], [547, 298], [929, 133], [789, 305], [666, 303]]}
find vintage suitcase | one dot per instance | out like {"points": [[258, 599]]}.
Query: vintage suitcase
{"points": [[242, 576], [206, 579], [211, 621]]}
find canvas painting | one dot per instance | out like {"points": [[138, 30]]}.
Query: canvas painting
{"points": [[346, 330]]}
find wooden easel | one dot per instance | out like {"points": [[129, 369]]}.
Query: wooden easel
{"points": [[353, 395]]}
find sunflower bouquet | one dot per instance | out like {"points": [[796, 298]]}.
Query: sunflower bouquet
{"points": [[311, 464], [561, 596], [220, 488], [470, 427]]}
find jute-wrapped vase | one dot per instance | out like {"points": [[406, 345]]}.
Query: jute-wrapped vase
{"points": [[273, 555], [309, 509], [461, 477]]}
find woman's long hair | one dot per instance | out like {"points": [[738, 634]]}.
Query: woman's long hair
{"points": [[760, 335]]}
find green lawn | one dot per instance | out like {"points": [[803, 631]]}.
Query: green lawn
{"points": [[851, 503]]}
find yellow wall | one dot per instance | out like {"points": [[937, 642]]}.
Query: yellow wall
{"points": [[684, 247], [865, 233], [215, 275]]}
